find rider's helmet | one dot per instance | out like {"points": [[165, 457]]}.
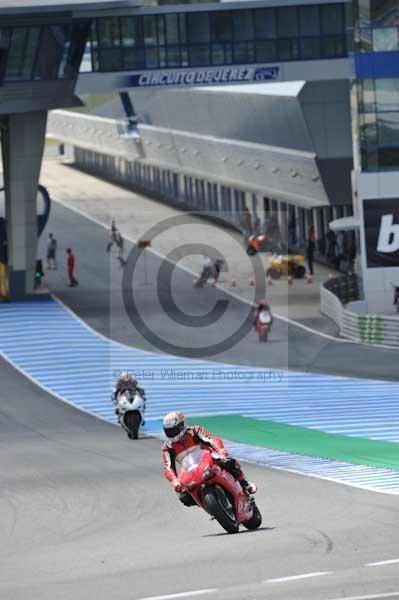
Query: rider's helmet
{"points": [[262, 303], [173, 426], [127, 381]]}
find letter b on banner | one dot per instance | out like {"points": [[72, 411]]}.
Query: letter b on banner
{"points": [[388, 239], [381, 228]]}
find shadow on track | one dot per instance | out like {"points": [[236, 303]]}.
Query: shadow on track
{"points": [[222, 533]]}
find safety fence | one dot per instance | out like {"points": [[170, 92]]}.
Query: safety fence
{"points": [[336, 293], [346, 288]]}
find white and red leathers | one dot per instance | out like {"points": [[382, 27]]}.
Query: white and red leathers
{"points": [[194, 435], [262, 306]]}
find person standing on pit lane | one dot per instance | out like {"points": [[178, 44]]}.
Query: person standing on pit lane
{"points": [[73, 282], [113, 232], [311, 247], [51, 252], [120, 244]]}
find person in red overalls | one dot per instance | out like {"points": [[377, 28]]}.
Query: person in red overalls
{"points": [[70, 268], [311, 247], [181, 437]]}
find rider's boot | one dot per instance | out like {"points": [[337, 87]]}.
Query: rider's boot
{"points": [[248, 487]]}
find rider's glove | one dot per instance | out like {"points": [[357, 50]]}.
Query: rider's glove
{"points": [[220, 454], [176, 485]]}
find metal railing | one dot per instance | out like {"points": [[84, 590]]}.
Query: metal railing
{"points": [[335, 294], [346, 288]]}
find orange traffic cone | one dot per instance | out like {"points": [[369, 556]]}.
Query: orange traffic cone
{"points": [[233, 283], [309, 278]]}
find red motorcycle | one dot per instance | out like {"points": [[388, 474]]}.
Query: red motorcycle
{"points": [[216, 491], [264, 325]]}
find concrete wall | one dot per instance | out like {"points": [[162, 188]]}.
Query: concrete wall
{"points": [[22, 148], [281, 126], [311, 117], [283, 174], [245, 113]]}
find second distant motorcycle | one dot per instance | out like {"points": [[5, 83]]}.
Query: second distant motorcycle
{"points": [[263, 320], [130, 408], [210, 270], [263, 325]]}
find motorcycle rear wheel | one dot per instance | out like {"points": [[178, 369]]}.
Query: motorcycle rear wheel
{"points": [[256, 520], [224, 516]]}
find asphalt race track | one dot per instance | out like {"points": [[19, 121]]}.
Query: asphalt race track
{"points": [[98, 300], [85, 513]]}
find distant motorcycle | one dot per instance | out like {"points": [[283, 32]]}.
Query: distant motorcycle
{"points": [[263, 325], [130, 408], [211, 270], [216, 491], [207, 273]]}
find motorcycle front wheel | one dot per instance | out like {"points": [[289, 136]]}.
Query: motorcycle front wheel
{"points": [[219, 506], [256, 520], [132, 422]]}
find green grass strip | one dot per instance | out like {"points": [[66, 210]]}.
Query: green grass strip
{"points": [[300, 440]]}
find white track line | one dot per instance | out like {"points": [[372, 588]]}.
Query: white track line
{"points": [[182, 594], [383, 562], [218, 286], [370, 597], [296, 577], [331, 479], [227, 291]]}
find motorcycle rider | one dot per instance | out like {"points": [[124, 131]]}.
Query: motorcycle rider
{"points": [[180, 438], [263, 305], [207, 268], [126, 382], [218, 264]]}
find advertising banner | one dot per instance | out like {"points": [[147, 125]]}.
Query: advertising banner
{"points": [[205, 76], [381, 227]]}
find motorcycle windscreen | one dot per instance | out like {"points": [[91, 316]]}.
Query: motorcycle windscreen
{"points": [[192, 466], [191, 459]]}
